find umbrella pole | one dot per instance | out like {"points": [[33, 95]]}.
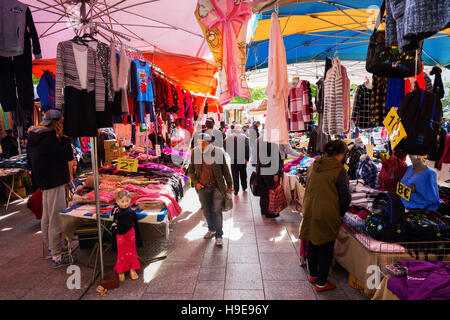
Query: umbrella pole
{"points": [[94, 157]]}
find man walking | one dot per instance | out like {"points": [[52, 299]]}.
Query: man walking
{"points": [[237, 146], [49, 152], [211, 178], [253, 135]]}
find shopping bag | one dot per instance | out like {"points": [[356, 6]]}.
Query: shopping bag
{"points": [[227, 202], [277, 200]]}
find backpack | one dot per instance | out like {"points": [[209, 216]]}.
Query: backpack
{"points": [[391, 173], [386, 222], [421, 114]]}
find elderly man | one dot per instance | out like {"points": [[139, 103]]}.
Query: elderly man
{"points": [[49, 152], [237, 146], [211, 178]]}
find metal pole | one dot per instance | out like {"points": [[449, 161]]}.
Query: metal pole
{"points": [[97, 200]]}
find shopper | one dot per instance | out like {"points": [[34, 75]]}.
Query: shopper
{"points": [[253, 135], [10, 147], [326, 200], [237, 146], [211, 178], [49, 152], [214, 133], [269, 168]]}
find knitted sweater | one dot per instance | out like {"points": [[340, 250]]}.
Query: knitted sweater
{"points": [[333, 100]]}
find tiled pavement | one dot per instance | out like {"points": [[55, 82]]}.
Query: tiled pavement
{"points": [[259, 260]]}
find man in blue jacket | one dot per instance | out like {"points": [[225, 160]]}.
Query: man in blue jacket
{"points": [[49, 152]]}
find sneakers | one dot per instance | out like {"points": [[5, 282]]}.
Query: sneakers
{"points": [[64, 251], [219, 242], [327, 287], [63, 261], [312, 279], [209, 235]]}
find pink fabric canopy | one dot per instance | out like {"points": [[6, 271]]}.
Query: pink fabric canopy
{"points": [[161, 25]]}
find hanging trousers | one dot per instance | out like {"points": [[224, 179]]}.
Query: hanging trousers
{"points": [[319, 261]]}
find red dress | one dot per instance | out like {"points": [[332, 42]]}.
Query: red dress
{"points": [[127, 257]]}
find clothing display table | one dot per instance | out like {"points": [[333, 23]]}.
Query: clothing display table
{"points": [[12, 173], [70, 217], [293, 188]]}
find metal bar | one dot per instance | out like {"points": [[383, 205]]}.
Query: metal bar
{"points": [[97, 202], [340, 26], [122, 9], [334, 5]]}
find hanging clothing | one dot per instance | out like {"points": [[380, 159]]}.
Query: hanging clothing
{"points": [[299, 108], [144, 83], [428, 82], [67, 75], [46, 91], [395, 92], [80, 118], [378, 100], [438, 85], [361, 115], [224, 24], [346, 99], [119, 67], [420, 79], [410, 21], [333, 100], [16, 81], [276, 130]]}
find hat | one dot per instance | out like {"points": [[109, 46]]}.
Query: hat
{"points": [[209, 119], [205, 137], [49, 116]]}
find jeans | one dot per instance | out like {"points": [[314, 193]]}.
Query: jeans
{"points": [[239, 170], [319, 261], [211, 200]]}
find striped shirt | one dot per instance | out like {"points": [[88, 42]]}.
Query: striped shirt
{"points": [[333, 101], [67, 74]]}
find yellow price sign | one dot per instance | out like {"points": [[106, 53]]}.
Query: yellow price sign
{"points": [[394, 126], [129, 165], [403, 191], [346, 167]]}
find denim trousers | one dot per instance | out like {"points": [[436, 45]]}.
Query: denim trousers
{"points": [[211, 200]]}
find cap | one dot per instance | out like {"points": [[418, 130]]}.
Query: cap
{"points": [[210, 119], [205, 137], [51, 115]]}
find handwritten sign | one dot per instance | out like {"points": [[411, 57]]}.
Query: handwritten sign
{"points": [[403, 191], [394, 126], [129, 165], [158, 150]]}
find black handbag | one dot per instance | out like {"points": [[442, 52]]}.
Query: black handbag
{"points": [[389, 62], [255, 182]]}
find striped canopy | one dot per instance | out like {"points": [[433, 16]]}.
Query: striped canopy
{"points": [[313, 30]]}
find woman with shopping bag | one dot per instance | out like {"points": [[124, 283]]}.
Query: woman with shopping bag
{"points": [[269, 168], [327, 199]]}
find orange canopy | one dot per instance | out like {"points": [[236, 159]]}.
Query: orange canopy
{"points": [[193, 74]]}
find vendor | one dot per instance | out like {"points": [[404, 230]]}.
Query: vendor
{"points": [[49, 152], [286, 152], [327, 199], [157, 138], [10, 146]]}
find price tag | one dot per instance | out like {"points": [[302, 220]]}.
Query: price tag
{"points": [[403, 191], [384, 156], [346, 167], [158, 150], [395, 127], [129, 165]]}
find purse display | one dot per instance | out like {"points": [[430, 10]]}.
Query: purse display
{"points": [[389, 62]]}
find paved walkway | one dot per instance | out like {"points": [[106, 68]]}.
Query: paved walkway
{"points": [[259, 260]]}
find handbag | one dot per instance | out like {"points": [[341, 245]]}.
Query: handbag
{"points": [[227, 202], [277, 200], [389, 62], [255, 182]]}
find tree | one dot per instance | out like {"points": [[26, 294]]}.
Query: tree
{"points": [[256, 94]]}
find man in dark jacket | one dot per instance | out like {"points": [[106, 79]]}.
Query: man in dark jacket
{"points": [[10, 147], [49, 152], [237, 146]]}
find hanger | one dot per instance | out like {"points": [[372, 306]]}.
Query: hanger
{"points": [[89, 36], [79, 40]]}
